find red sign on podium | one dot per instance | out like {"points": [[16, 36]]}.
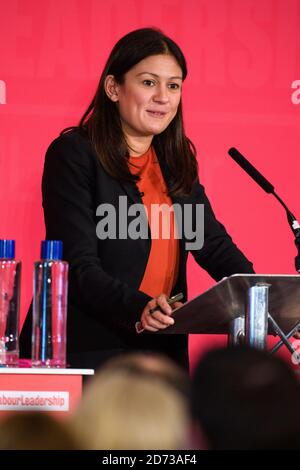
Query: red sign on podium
{"points": [[40, 389]]}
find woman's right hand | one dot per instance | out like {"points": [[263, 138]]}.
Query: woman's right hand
{"points": [[158, 320]]}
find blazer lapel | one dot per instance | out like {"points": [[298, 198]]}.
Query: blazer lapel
{"points": [[132, 191]]}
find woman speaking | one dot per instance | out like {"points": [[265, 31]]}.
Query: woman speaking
{"points": [[102, 184]]}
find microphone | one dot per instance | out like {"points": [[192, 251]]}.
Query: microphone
{"points": [[268, 188], [256, 175]]}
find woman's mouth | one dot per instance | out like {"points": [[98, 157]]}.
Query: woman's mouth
{"points": [[157, 114]]}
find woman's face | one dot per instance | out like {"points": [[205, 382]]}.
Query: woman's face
{"points": [[149, 97]]}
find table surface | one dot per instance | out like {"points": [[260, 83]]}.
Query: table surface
{"points": [[25, 368]]}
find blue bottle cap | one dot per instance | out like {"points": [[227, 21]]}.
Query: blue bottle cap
{"points": [[51, 249], [7, 249]]}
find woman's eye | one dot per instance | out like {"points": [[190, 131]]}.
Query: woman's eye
{"points": [[148, 82], [174, 86]]}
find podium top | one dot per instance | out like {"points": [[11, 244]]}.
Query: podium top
{"points": [[212, 311], [44, 371]]}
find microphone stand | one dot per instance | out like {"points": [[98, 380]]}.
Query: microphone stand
{"points": [[284, 338], [295, 226], [269, 188]]}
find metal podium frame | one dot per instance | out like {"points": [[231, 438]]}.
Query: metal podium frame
{"points": [[247, 307]]}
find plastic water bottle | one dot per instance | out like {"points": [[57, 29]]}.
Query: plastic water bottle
{"points": [[50, 289], [10, 277]]}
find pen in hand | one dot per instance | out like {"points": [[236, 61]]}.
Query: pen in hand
{"points": [[170, 301]]}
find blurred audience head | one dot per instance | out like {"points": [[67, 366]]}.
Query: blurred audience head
{"points": [[154, 365], [135, 401], [35, 431], [243, 398]]}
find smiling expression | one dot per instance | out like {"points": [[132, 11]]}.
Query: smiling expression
{"points": [[148, 98]]}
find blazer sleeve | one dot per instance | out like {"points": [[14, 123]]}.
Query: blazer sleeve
{"points": [[67, 188], [219, 256]]}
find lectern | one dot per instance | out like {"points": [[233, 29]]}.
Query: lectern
{"points": [[245, 306]]}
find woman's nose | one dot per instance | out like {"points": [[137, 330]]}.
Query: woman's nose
{"points": [[161, 94]]}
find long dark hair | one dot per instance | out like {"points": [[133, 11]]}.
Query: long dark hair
{"points": [[102, 122]]}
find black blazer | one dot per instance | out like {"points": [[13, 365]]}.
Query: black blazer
{"points": [[104, 276]]}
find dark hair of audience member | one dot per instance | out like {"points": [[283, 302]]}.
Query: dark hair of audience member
{"points": [[243, 398]]}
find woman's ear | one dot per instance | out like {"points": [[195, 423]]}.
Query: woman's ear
{"points": [[111, 88]]}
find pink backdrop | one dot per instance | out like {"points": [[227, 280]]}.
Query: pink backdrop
{"points": [[243, 90]]}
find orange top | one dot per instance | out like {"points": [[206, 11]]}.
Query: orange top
{"points": [[162, 267]]}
